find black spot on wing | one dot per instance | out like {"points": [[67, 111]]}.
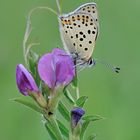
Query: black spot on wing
{"points": [[86, 49]]}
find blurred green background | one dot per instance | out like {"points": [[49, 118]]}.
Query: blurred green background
{"points": [[114, 96]]}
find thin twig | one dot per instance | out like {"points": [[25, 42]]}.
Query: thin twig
{"points": [[28, 30], [77, 92], [58, 7], [29, 47], [69, 94], [26, 36]]}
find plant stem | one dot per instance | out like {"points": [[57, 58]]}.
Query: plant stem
{"points": [[54, 98], [72, 137], [56, 127], [76, 85], [77, 92], [58, 6], [49, 115]]}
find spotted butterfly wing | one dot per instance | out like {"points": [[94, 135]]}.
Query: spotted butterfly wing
{"points": [[78, 32], [89, 8]]}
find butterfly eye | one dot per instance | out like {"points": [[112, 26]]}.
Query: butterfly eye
{"points": [[91, 62]]}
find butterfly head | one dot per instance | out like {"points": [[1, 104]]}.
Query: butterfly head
{"points": [[91, 62]]}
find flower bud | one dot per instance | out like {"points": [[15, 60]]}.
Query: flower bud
{"points": [[76, 115], [25, 81]]}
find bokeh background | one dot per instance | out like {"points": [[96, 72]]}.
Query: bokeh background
{"points": [[114, 96]]}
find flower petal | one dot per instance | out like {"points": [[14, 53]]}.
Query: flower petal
{"points": [[25, 81], [57, 51], [46, 69], [65, 70], [56, 68]]}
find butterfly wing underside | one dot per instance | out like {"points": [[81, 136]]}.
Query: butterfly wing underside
{"points": [[78, 32], [89, 8]]}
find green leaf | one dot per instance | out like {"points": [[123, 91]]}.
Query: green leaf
{"points": [[87, 120], [50, 130], [68, 96], [81, 101], [63, 129], [75, 81], [55, 127], [84, 128], [64, 111], [28, 104], [45, 90], [91, 137], [92, 118], [33, 61]]}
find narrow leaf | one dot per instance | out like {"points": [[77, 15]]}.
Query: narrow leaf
{"points": [[50, 130], [28, 104], [64, 111], [75, 81], [68, 96], [92, 137], [63, 129], [87, 120], [45, 90], [81, 101], [55, 128], [33, 60], [92, 118], [84, 128]]}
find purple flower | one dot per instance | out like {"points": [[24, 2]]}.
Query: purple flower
{"points": [[76, 115], [56, 68], [25, 81]]}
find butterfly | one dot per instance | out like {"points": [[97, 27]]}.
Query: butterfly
{"points": [[79, 31]]}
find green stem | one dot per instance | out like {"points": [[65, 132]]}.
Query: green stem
{"points": [[74, 133], [50, 111], [77, 92], [77, 88], [58, 6], [56, 128], [72, 137], [55, 96], [39, 99], [69, 94]]}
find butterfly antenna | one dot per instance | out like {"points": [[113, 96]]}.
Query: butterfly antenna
{"points": [[113, 68]]}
